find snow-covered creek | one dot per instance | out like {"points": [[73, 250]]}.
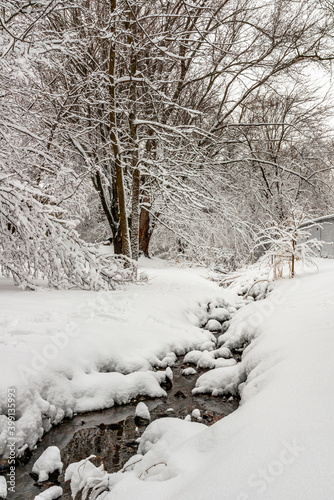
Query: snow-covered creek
{"points": [[112, 433]]}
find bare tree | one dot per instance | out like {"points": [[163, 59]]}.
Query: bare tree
{"points": [[150, 102]]}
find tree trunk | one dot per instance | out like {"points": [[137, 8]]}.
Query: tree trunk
{"points": [[117, 236], [115, 145], [135, 208], [145, 231], [110, 210], [135, 214]]}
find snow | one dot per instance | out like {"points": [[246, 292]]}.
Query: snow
{"points": [[278, 443], [73, 351], [188, 371], [220, 314], [192, 357], [142, 411], [47, 463], [163, 434], [168, 360], [206, 360], [3, 487], [96, 390], [209, 345], [83, 474], [222, 362], [213, 326], [221, 381], [222, 352], [169, 374], [196, 414], [50, 494]]}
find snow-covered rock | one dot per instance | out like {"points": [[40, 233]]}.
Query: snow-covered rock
{"points": [[223, 352], [50, 494], [222, 362], [169, 374], [196, 414], [206, 360], [165, 433], [142, 414], [225, 327], [189, 371], [213, 325], [192, 357], [168, 360], [220, 314], [47, 463], [209, 345], [220, 381]]}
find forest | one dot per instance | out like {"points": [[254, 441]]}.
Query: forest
{"points": [[181, 129]]}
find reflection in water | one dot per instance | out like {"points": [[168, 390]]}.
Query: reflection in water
{"points": [[111, 434]]}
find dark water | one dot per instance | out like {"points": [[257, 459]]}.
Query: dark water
{"points": [[111, 434]]}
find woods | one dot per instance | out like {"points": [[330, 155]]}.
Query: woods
{"points": [[179, 128]]}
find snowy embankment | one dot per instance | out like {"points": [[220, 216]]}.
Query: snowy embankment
{"points": [[73, 351], [278, 444]]}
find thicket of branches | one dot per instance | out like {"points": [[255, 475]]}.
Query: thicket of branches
{"points": [[191, 123]]}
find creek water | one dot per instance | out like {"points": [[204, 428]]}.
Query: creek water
{"points": [[111, 434]]}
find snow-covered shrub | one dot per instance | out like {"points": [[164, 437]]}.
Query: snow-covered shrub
{"points": [[85, 477], [287, 243], [38, 243]]}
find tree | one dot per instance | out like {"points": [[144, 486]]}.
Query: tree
{"points": [[37, 185], [149, 101]]}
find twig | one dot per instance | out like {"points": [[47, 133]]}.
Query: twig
{"points": [[132, 463], [258, 281], [154, 465]]}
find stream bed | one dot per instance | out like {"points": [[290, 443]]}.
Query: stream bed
{"points": [[111, 433]]}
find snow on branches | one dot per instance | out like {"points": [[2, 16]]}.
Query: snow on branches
{"points": [[38, 243], [287, 243]]}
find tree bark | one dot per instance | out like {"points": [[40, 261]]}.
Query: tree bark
{"points": [[135, 208], [97, 182], [145, 231], [126, 248], [135, 214]]}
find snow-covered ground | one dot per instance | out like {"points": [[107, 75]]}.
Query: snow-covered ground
{"points": [[73, 351], [279, 443]]}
